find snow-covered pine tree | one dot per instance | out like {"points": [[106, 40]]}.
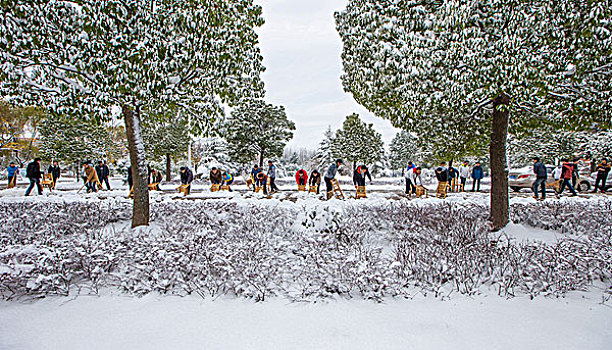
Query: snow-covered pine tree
{"points": [[326, 153], [211, 151], [71, 140], [257, 130], [167, 140], [419, 63], [358, 142], [403, 148], [91, 55]]}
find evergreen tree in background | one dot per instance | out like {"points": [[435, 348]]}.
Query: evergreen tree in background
{"points": [[209, 152], [71, 140], [358, 142], [169, 141], [326, 153], [403, 148], [257, 130], [551, 146], [19, 128]]}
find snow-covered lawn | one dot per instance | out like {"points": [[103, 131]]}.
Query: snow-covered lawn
{"points": [[432, 275], [577, 322]]}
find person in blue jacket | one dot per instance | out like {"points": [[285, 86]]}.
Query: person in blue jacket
{"points": [[12, 171], [477, 175], [272, 176], [254, 172], [227, 180]]}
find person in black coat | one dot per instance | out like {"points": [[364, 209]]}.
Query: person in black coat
{"points": [[315, 179], [540, 171], [55, 172], [103, 173], [186, 178], [443, 176], [575, 170], [130, 180], [442, 173], [156, 179], [34, 174], [603, 169], [359, 175]]}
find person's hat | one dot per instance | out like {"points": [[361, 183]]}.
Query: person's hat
{"points": [[339, 161], [214, 168]]}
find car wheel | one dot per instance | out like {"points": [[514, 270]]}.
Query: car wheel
{"points": [[584, 186], [516, 189]]}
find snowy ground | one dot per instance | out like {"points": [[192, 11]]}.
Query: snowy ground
{"points": [[268, 237], [380, 188], [152, 322]]}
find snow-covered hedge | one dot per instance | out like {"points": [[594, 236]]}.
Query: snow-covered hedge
{"points": [[299, 251]]}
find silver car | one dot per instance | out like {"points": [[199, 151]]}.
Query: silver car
{"points": [[524, 178]]}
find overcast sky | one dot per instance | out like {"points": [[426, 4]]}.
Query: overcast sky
{"points": [[301, 51]]}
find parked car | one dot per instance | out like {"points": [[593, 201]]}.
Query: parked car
{"points": [[591, 181], [524, 178]]}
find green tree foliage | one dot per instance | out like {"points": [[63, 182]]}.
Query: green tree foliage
{"points": [[87, 56], [257, 130], [211, 152], [358, 142], [403, 148], [72, 140], [168, 141], [326, 152], [425, 65]]}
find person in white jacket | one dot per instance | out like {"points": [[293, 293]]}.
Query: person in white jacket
{"points": [[556, 173], [464, 173], [413, 176]]}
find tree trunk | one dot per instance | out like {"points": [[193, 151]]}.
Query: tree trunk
{"points": [[499, 166], [140, 215], [168, 168], [261, 158]]}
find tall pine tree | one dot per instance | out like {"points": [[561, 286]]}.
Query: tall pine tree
{"points": [[358, 142], [403, 148], [257, 130], [326, 152]]}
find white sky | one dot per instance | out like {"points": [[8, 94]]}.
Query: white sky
{"points": [[301, 51]]}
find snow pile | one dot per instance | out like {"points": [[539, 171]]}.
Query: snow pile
{"points": [[301, 251]]}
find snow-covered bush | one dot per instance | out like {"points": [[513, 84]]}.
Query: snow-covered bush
{"points": [[308, 251]]}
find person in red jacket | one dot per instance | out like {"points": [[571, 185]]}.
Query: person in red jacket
{"points": [[301, 177], [262, 179], [566, 176]]}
